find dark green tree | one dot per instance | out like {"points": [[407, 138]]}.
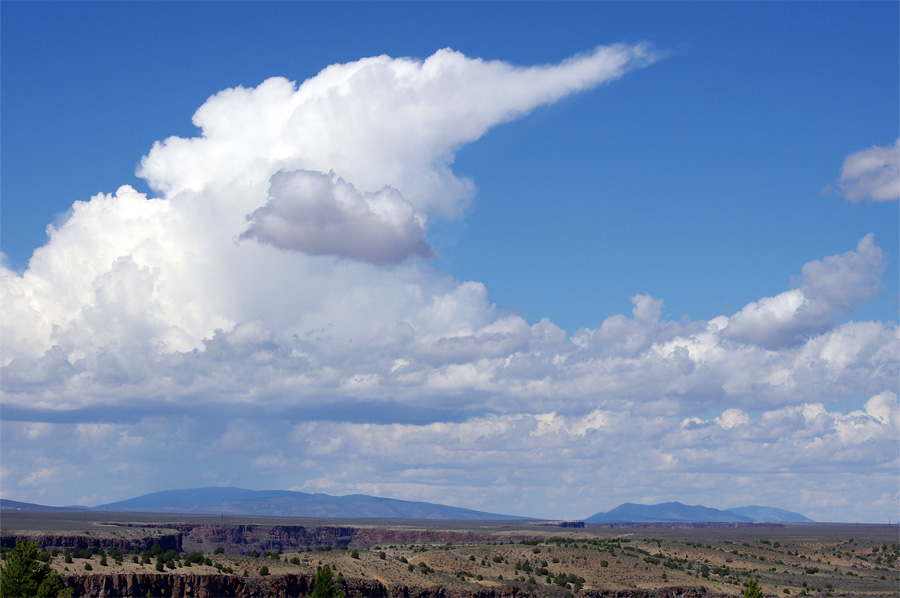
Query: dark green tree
{"points": [[752, 589], [324, 585], [23, 575]]}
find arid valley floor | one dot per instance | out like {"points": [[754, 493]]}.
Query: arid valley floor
{"points": [[450, 559]]}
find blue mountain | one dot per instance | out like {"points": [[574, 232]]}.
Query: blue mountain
{"points": [[675, 512], [770, 514], [286, 503], [668, 512], [14, 505]]}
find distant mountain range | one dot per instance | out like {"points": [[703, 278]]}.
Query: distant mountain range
{"points": [[286, 503], [14, 505], [675, 512]]}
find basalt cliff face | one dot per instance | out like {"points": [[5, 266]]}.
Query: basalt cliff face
{"points": [[277, 586], [673, 592], [166, 541], [242, 539], [290, 586]]}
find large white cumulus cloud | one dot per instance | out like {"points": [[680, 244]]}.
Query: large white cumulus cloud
{"points": [[272, 305], [375, 122], [385, 130]]}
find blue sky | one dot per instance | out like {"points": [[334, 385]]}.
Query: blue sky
{"points": [[695, 184]]}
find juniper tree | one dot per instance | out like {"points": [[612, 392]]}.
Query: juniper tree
{"points": [[324, 585], [22, 574]]}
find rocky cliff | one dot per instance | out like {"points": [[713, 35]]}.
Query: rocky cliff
{"points": [[277, 586], [672, 592], [242, 539], [289, 586], [167, 541]]}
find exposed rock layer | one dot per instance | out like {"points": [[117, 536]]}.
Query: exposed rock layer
{"points": [[141, 585], [172, 541]]}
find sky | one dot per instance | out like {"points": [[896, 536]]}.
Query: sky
{"points": [[528, 258]]}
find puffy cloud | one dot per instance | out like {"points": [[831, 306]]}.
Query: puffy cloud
{"points": [[165, 273], [871, 174], [312, 352], [559, 460], [319, 215], [732, 417], [846, 280], [374, 122], [828, 288], [621, 335]]}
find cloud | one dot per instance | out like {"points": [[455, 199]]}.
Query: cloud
{"points": [[628, 450], [376, 122], [621, 335], [827, 289], [846, 280], [165, 273], [265, 318], [872, 174], [321, 215], [409, 345]]}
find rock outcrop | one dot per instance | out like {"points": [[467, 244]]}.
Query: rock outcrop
{"points": [[242, 539], [141, 585], [670, 592], [170, 541]]}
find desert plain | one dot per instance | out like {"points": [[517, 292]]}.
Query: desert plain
{"points": [[426, 558]]}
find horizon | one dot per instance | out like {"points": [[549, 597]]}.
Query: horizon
{"points": [[175, 490], [511, 258]]}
